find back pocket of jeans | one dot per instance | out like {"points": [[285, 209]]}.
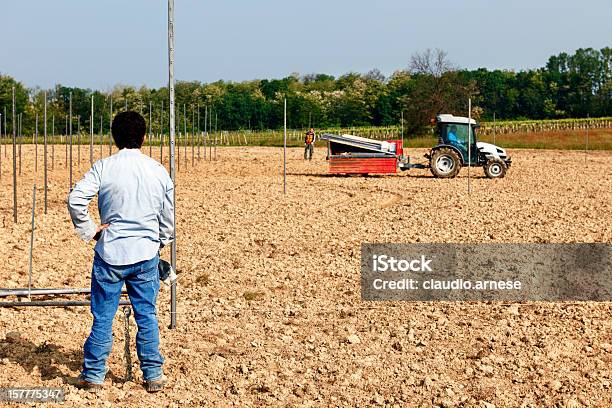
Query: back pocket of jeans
{"points": [[148, 275], [106, 273]]}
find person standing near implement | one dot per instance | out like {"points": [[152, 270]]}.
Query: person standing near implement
{"points": [[309, 144], [135, 201]]}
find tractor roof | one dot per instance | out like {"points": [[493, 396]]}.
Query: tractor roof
{"points": [[447, 118]]}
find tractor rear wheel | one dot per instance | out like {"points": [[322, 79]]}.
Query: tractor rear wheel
{"points": [[495, 168], [444, 163]]}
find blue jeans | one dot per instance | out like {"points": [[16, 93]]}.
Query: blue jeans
{"points": [[142, 283]]}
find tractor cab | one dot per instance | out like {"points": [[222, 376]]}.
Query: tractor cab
{"points": [[459, 133], [458, 146]]}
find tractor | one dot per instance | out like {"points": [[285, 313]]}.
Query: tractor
{"points": [[349, 154], [451, 153]]}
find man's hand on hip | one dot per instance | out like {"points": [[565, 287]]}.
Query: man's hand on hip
{"points": [[99, 231]]}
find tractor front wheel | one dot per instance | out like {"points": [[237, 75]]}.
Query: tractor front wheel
{"points": [[495, 168], [444, 163]]}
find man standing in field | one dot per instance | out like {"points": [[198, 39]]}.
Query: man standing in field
{"points": [[135, 202], [309, 144]]}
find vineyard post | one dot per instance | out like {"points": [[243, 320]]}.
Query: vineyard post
{"points": [[53, 142], [185, 135], [36, 146], [493, 127], [5, 132], [586, 142], [210, 131], [192, 134], [205, 132], [402, 122], [101, 135], [178, 139], [469, 142], [32, 241], [285, 148], [14, 161], [150, 129], [161, 133], [199, 133], [66, 143], [110, 126], [45, 151], [172, 170], [79, 141], [1, 143], [91, 136], [216, 123], [20, 135], [70, 131]]}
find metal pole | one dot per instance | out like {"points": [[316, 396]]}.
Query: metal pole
{"points": [[53, 303], [52, 144], [91, 137], [36, 147], [100, 136], [5, 134], [32, 241], [150, 129], [1, 141], [66, 142], [14, 162], [285, 150], [79, 141], [161, 133], [70, 129], [185, 135], [205, 132], [216, 123], [172, 169], [192, 135], [402, 121], [110, 126], [45, 150], [210, 130], [469, 141], [45, 291], [199, 133], [5, 130], [20, 132], [494, 128], [586, 144]]}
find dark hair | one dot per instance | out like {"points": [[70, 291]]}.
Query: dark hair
{"points": [[129, 129]]}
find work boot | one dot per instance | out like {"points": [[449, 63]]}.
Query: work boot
{"points": [[82, 383], [156, 385]]}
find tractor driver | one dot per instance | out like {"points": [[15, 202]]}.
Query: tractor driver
{"points": [[452, 135]]}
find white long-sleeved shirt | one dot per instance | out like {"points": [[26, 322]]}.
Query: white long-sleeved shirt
{"points": [[135, 196]]}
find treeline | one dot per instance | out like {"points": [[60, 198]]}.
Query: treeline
{"points": [[568, 86]]}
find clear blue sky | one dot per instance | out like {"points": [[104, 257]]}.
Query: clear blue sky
{"points": [[98, 44]]}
